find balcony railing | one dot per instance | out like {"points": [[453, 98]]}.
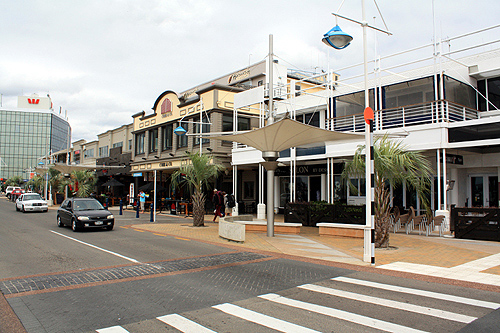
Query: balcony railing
{"points": [[417, 114]]}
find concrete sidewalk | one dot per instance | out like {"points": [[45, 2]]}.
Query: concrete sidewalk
{"points": [[443, 257]]}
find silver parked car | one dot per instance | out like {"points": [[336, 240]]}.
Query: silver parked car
{"points": [[31, 202]]}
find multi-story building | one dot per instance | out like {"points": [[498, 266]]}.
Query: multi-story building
{"points": [[445, 104], [28, 133]]}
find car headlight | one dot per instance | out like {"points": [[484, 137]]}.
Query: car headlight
{"points": [[109, 217], [83, 218]]}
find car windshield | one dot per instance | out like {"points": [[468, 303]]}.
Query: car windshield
{"points": [[87, 205], [32, 197]]}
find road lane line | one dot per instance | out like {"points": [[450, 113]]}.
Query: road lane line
{"points": [[112, 329], [262, 319], [391, 304], [96, 247], [431, 294], [344, 315], [183, 324]]}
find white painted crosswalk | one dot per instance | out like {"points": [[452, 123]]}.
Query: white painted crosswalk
{"points": [[344, 301]]}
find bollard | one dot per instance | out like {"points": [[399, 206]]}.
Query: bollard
{"points": [[152, 212], [137, 213], [121, 207]]}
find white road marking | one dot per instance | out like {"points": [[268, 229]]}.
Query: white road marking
{"points": [[344, 315], [431, 294], [112, 329], [391, 304], [262, 319], [96, 247], [184, 324]]}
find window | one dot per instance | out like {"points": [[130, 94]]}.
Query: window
{"points": [[227, 123], [297, 90], [88, 153], [408, 93], [139, 143], [459, 92], [103, 151], [167, 134], [182, 141], [118, 144], [205, 129], [309, 118], [130, 144], [153, 140]]}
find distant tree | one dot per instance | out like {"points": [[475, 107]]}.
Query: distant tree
{"points": [[199, 173], [14, 181], [37, 183], [394, 165]]}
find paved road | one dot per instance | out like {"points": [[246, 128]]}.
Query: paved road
{"points": [[125, 280]]}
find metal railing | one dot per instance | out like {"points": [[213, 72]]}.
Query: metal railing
{"points": [[410, 115]]}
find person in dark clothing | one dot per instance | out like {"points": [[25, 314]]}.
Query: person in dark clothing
{"points": [[218, 201]]}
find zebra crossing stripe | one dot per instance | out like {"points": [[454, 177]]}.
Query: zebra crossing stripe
{"points": [[262, 319], [391, 304], [183, 324], [112, 329], [344, 315], [430, 294]]}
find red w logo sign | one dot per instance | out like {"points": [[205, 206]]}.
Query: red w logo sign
{"points": [[33, 101]]}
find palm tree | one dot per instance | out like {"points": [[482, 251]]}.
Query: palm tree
{"points": [[83, 181], [37, 182], [394, 165], [55, 179], [196, 175]]}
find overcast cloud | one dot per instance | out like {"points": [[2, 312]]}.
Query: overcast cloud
{"points": [[105, 60]]}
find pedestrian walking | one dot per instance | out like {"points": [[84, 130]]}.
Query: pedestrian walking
{"points": [[218, 201]]}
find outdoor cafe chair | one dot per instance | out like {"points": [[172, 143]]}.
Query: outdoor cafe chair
{"points": [[437, 221]]}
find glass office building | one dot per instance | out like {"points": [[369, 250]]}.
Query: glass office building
{"points": [[26, 136]]}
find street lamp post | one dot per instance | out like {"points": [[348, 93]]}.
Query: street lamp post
{"points": [[338, 39]]}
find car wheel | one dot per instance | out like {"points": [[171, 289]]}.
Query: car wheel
{"points": [[109, 227], [59, 222], [74, 227], [22, 209], [17, 208]]}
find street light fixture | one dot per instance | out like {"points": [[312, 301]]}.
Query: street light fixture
{"points": [[338, 39]]}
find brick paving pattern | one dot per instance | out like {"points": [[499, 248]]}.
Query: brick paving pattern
{"points": [[116, 273]]}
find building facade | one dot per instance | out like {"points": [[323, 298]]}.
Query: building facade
{"points": [[445, 105], [29, 133]]}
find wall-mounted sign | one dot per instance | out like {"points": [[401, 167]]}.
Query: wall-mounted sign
{"points": [[137, 174], [453, 159], [238, 76]]}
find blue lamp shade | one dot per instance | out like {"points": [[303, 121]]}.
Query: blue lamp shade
{"points": [[180, 131], [336, 38]]}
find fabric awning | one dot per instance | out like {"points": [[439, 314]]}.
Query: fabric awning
{"points": [[287, 133]]}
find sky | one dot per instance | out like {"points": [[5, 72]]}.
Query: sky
{"points": [[102, 61]]}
